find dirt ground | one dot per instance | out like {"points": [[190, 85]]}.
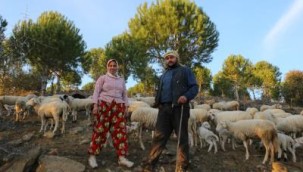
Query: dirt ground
{"points": [[73, 146]]}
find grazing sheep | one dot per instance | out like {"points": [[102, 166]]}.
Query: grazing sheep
{"points": [[147, 118], [275, 106], [252, 110], [20, 106], [291, 124], [231, 116], [133, 105], [208, 136], [250, 129], [7, 100], [9, 108], [77, 105], [286, 143], [149, 100], [230, 105], [54, 110], [202, 106]]}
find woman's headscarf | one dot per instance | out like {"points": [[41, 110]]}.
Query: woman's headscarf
{"points": [[110, 74]]}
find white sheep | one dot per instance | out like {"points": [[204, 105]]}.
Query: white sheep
{"points": [[208, 136], [196, 116], [250, 129], [149, 100], [7, 100], [77, 105], [147, 118], [265, 116], [50, 109], [286, 143], [133, 105], [230, 105], [252, 110], [291, 124], [231, 116], [54, 110], [274, 106], [202, 106], [20, 107]]}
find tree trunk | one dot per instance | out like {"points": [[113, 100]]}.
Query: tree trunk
{"points": [[58, 89], [43, 85]]}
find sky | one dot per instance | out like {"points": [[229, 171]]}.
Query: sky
{"points": [[270, 30]]}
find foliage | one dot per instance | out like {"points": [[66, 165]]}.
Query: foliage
{"points": [[131, 55], [267, 77], [222, 86], [203, 77], [292, 88], [175, 25], [89, 87], [238, 70], [95, 62], [52, 45]]}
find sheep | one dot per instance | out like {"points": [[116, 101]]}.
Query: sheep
{"points": [[50, 109], [208, 136], [196, 116], [202, 106], [133, 105], [249, 129], [7, 100], [275, 110], [9, 108], [231, 116], [286, 143], [291, 124], [275, 106], [20, 106], [80, 104], [252, 110], [230, 105], [265, 116], [147, 117], [54, 110], [149, 100]]}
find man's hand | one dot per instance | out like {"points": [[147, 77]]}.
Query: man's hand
{"points": [[182, 100]]}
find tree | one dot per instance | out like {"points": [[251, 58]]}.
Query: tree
{"points": [[292, 87], [130, 53], [95, 62], [222, 86], [203, 77], [268, 78], [52, 46], [175, 25], [238, 70]]}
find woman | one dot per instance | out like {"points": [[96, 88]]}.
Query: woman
{"points": [[110, 109]]}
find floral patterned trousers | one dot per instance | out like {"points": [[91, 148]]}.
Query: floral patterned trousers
{"points": [[110, 117]]}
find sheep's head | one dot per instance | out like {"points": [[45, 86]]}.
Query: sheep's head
{"points": [[206, 125]]}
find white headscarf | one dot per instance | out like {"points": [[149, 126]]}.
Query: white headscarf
{"points": [[116, 75]]}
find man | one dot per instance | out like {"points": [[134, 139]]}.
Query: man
{"points": [[177, 87]]}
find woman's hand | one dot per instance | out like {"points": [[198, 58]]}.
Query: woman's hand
{"points": [[95, 109]]}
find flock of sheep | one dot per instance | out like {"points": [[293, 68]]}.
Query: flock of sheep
{"points": [[221, 122], [271, 127]]}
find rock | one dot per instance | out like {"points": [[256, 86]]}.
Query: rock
{"points": [[85, 141], [53, 151], [24, 162], [59, 164], [76, 130], [15, 142], [49, 135], [29, 136]]}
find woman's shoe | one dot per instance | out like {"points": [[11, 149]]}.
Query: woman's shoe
{"points": [[123, 161], [92, 161]]}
